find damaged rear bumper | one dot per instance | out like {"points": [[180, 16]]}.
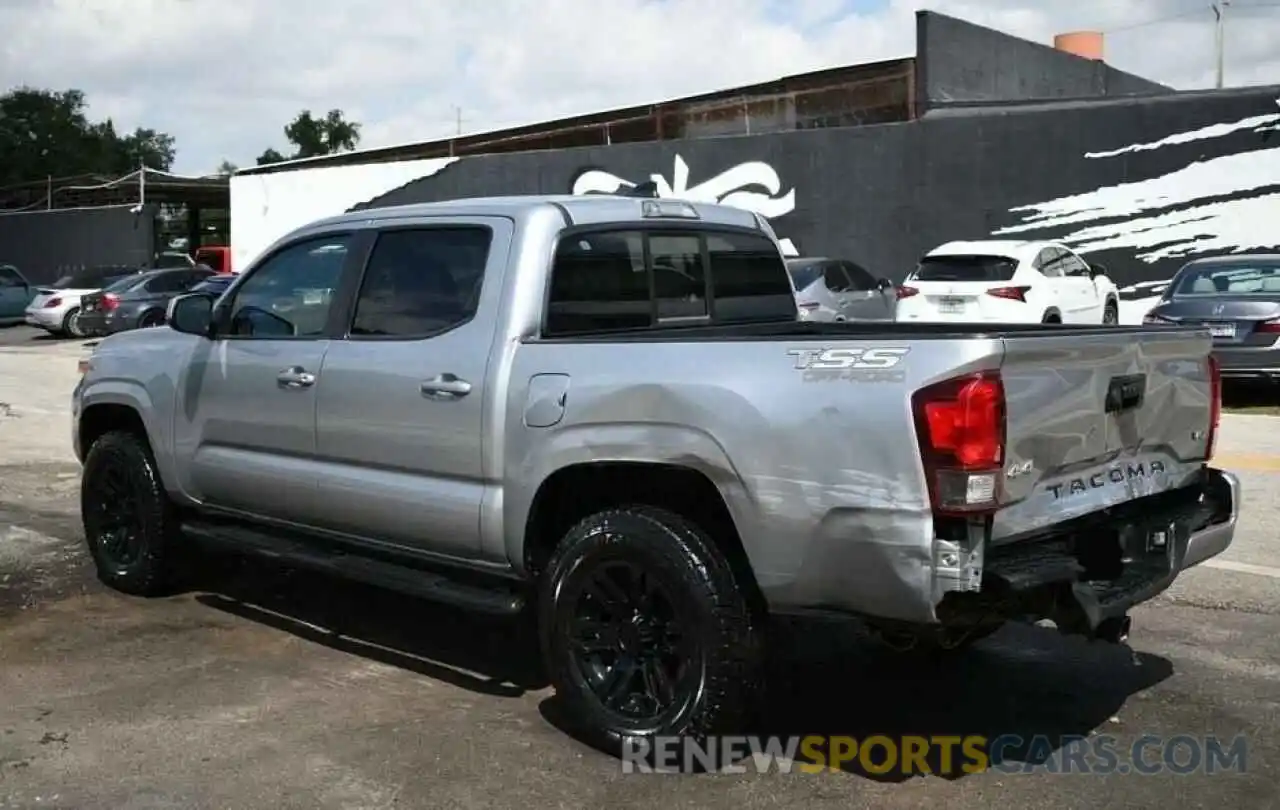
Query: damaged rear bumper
{"points": [[1090, 571]]}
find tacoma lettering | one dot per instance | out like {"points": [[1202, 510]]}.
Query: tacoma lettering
{"points": [[1116, 475]]}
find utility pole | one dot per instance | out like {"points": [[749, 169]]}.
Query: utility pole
{"points": [[457, 111], [1220, 25]]}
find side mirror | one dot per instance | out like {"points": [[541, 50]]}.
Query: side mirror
{"points": [[1096, 270], [884, 284], [191, 314]]}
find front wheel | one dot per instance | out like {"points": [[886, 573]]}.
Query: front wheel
{"points": [[129, 523], [645, 632], [1111, 314]]}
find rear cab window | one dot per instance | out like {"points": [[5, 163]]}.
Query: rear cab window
{"points": [[606, 280], [965, 268]]}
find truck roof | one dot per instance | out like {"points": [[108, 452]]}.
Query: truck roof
{"points": [[580, 209]]}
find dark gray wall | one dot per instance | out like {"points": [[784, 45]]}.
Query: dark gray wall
{"points": [[960, 61], [46, 244], [881, 195]]}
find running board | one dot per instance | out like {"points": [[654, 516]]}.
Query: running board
{"points": [[499, 599]]}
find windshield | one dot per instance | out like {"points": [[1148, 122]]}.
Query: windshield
{"points": [[1230, 279], [965, 268], [804, 274]]}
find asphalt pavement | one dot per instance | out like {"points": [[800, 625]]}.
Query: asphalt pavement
{"points": [[262, 688]]}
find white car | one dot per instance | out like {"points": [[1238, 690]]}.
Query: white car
{"points": [[1002, 281], [56, 307]]}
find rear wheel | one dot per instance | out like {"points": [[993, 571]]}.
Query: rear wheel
{"points": [[645, 632], [151, 319], [71, 323], [1051, 317], [130, 525]]}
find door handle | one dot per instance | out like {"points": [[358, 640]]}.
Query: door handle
{"points": [[445, 386], [296, 377]]}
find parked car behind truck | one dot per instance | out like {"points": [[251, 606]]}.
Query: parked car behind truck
{"points": [[136, 302], [839, 290], [492, 409], [56, 307], [15, 295]]}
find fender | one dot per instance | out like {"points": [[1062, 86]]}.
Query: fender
{"points": [[115, 391], [619, 442]]}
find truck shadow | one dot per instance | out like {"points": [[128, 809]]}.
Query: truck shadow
{"points": [[1024, 698], [1014, 701], [488, 656], [1018, 697]]}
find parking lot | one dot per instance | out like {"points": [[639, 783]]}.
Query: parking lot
{"points": [[263, 688]]}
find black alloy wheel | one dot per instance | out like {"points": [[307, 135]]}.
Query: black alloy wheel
{"points": [[115, 514], [645, 631], [628, 649], [129, 522]]}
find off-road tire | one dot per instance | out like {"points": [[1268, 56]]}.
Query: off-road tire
{"points": [[1111, 314], [155, 569], [71, 323], [722, 632]]}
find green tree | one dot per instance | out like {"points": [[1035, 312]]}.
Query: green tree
{"points": [[270, 156], [226, 167], [47, 133], [312, 137]]}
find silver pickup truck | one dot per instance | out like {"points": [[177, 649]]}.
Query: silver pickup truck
{"points": [[604, 409]]}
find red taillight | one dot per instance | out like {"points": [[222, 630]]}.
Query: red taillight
{"points": [[52, 302], [1268, 327], [905, 292], [1215, 405], [1012, 293], [110, 302], [960, 425]]}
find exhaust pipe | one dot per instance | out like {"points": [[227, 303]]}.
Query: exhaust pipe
{"points": [[1115, 630]]}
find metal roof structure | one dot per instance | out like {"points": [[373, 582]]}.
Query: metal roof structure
{"points": [[98, 191]]}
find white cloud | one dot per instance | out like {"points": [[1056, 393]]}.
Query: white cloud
{"points": [[224, 76]]}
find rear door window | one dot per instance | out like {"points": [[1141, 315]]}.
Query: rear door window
{"points": [[805, 274], [966, 268], [610, 280], [859, 278], [9, 277], [421, 282], [834, 277], [169, 282]]}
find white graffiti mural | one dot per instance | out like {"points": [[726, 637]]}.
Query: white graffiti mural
{"points": [[735, 187]]}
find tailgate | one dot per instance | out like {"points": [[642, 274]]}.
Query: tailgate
{"points": [[1100, 418]]}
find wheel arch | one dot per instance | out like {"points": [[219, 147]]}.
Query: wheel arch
{"points": [[112, 406], [577, 490]]}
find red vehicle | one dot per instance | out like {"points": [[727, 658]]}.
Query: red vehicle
{"points": [[215, 257]]}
